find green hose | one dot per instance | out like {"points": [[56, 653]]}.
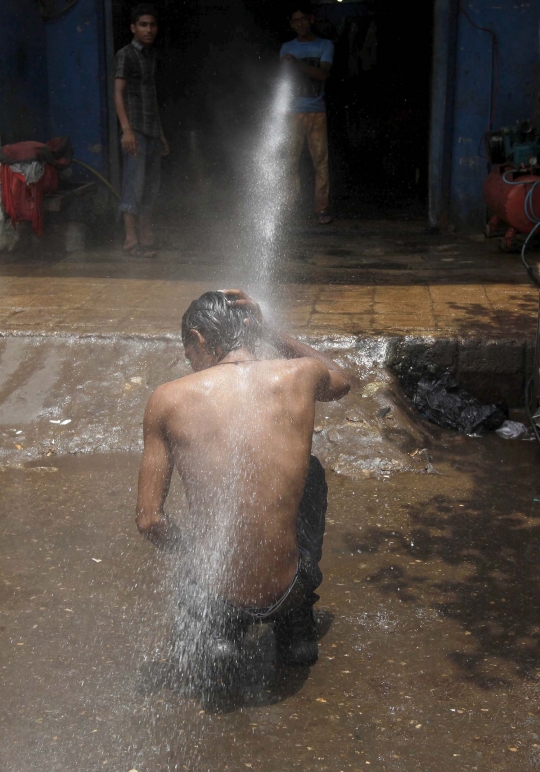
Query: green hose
{"points": [[98, 175]]}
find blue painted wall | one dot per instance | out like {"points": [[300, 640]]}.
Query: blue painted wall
{"points": [[52, 79], [24, 103], [77, 82], [53, 82], [517, 26]]}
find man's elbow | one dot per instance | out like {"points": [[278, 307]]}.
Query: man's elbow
{"points": [[333, 394], [339, 387], [343, 388]]}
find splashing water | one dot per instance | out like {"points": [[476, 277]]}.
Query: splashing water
{"points": [[267, 190], [213, 522]]}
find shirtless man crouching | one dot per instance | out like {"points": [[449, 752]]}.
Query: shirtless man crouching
{"points": [[239, 431]]}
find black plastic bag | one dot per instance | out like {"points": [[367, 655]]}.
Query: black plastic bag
{"points": [[443, 402]]}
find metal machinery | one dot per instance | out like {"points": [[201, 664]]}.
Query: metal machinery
{"points": [[510, 190], [512, 193]]}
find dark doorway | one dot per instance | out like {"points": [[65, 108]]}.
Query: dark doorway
{"points": [[379, 102], [217, 64]]}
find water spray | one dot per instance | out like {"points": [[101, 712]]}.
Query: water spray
{"points": [[268, 188]]}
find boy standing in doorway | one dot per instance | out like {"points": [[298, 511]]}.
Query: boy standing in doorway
{"points": [[143, 141], [310, 59]]}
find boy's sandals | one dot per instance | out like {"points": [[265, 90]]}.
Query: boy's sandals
{"points": [[132, 249], [149, 250], [325, 218], [140, 250]]}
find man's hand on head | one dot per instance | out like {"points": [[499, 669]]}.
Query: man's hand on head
{"points": [[240, 299], [334, 381]]}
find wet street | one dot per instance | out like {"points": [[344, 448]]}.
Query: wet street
{"points": [[429, 625], [429, 618], [382, 209]]}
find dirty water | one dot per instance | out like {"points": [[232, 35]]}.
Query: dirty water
{"points": [[429, 621], [429, 617], [73, 395]]}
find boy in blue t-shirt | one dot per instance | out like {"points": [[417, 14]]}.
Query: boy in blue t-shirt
{"points": [[309, 59]]}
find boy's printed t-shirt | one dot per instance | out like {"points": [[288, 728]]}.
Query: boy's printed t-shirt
{"points": [[308, 92]]}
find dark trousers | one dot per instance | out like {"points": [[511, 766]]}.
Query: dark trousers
{"points": [[141, 176], [216, 618]]}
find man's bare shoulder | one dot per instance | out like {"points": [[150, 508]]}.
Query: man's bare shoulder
{"points": [[170, 394], [328, 384], [306, 365]]}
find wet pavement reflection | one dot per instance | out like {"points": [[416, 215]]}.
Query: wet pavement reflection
{"points": [[429, 624]]}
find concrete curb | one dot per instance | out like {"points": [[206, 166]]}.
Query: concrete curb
{"points": [[492, 368]]}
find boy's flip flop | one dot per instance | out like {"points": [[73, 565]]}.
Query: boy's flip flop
{"points": [[149, 250], [325, 218], [137, 250], [132, 249]]}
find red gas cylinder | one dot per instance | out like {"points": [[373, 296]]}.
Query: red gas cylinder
{"points": [[507, 200]]}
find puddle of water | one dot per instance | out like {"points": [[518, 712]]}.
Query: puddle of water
{"points": [[429, 617]]}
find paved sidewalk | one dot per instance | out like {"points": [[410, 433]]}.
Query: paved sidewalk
{"points": [[361, 278]]}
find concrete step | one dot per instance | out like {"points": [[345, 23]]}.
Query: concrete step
{"points": [[70, 394]]}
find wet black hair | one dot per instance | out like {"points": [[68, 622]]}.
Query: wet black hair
{"points": [[221, 323], [305, 8], [143, 9]]}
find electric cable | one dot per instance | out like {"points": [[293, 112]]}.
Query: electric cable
{"points": [[533, 217], [98, 175], [528, 268], [528, 408], [535, 280]]}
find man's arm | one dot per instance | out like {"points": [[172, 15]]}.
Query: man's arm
{"points": [[129, 140], [317, 73], [166, 149], [155, 478], [334, 381]]}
